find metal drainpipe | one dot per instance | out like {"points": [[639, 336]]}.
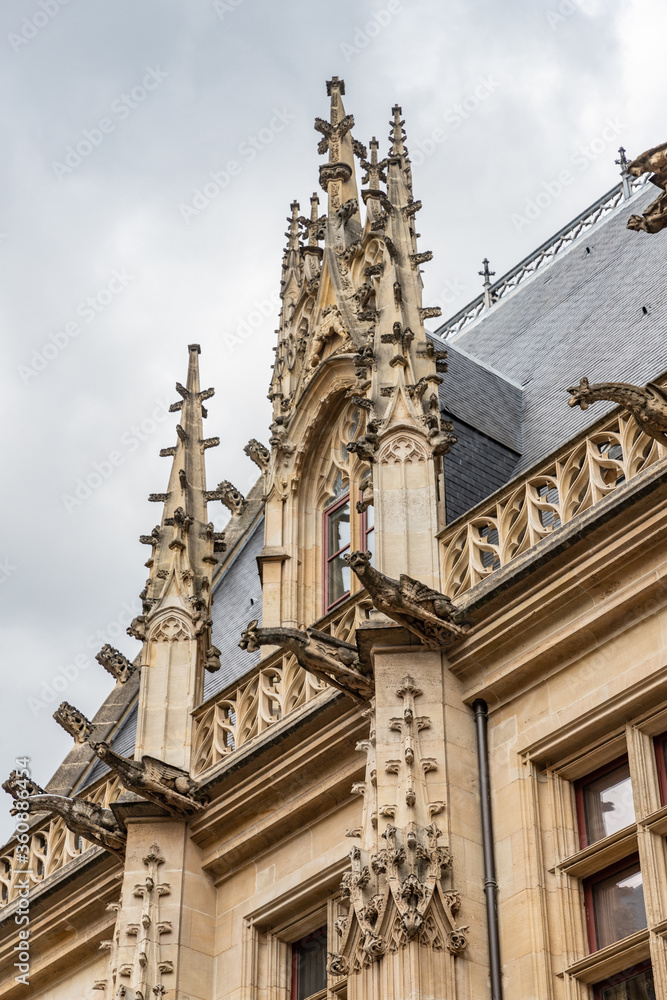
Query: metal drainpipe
{"points": [[480, 709]]}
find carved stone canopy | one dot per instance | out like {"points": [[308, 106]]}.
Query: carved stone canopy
{"points": [[425, 612], [648, 405], [395, 896], [330, 659]]}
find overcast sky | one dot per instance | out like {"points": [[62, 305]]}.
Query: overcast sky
{"points": [[115, 114]]}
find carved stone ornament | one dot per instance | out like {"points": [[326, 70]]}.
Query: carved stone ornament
{"points": [[73, 722], [170, 629], [155, 780], [260, 455], [332, 660], [397, 897], [115, 663], [141, 964], [367, 445], [228, 495], [654, 218], [87, 819], [425, 612], [443, 439], [20, 787], [647, 405]]}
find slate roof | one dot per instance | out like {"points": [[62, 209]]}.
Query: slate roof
{"points": [[582, 314], [122, 743], [237, 599], [475, 467]]}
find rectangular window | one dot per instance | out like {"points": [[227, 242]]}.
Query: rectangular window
{"points": [[604, 802], [633, 984], [309, 966], [614, 904], [337, 546], [661, 761]]}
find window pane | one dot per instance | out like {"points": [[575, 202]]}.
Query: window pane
{"points": [[339, 579], [370, 518], [608, 803], [339, 529], [370, 545], [639, 987], [618, 906], [311, 964]]}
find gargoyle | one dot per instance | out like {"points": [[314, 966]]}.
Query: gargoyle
{"points": [[88, 819], [647, 405], [328, 658], [442, 439], [655, 215], [73, 722], [16, 784], [154, 780], [425, 612], [228, 495], [115, 663], [366, 445], [257, 453], [280, 436]]}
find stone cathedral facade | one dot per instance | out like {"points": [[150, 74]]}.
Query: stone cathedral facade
{"points": [[400, 731]]}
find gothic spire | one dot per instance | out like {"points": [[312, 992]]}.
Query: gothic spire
{"points": [[184, 542], [338, 177]]}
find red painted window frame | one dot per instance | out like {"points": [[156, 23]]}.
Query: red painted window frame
{"points": [[659, 744], [619, 866], [327, 557], [616, 981], [579, 795], [295, 956], [364, 526]]}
